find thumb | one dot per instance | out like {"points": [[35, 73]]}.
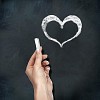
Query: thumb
{"points": [[38, 59]]}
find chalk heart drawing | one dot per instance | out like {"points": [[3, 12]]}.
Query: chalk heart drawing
{"points": [[72, 18]]}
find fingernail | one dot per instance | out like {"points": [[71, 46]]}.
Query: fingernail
{"points": [[48, 68], [47, 62], [41, 47]]}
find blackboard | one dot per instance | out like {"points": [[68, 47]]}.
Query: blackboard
{"points": [[75, 67]]}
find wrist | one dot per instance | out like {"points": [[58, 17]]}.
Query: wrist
{"points": [[41, 92]]}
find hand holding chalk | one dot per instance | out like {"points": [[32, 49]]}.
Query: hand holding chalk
{"points": [[38, 73]]}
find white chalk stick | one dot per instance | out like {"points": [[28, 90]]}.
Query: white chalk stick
{"points": [[37, 43]]}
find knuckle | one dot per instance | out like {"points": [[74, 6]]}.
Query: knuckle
{"points": [[51, 82], [46, 56], [26, 71]]}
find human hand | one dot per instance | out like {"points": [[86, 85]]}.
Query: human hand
{"points": [[37, 71]]}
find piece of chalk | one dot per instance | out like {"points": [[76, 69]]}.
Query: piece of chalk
{"points": [[37, 43]]}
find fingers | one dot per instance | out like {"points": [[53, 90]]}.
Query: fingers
{"points": [[38, 59], [45, 63], [44, 56], [32, 59], [47, 70]]}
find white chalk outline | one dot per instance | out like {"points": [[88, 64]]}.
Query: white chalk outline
{"points": [[72, 18]]}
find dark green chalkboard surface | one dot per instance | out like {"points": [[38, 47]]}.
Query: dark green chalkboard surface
{"points": [[75, 67]]}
